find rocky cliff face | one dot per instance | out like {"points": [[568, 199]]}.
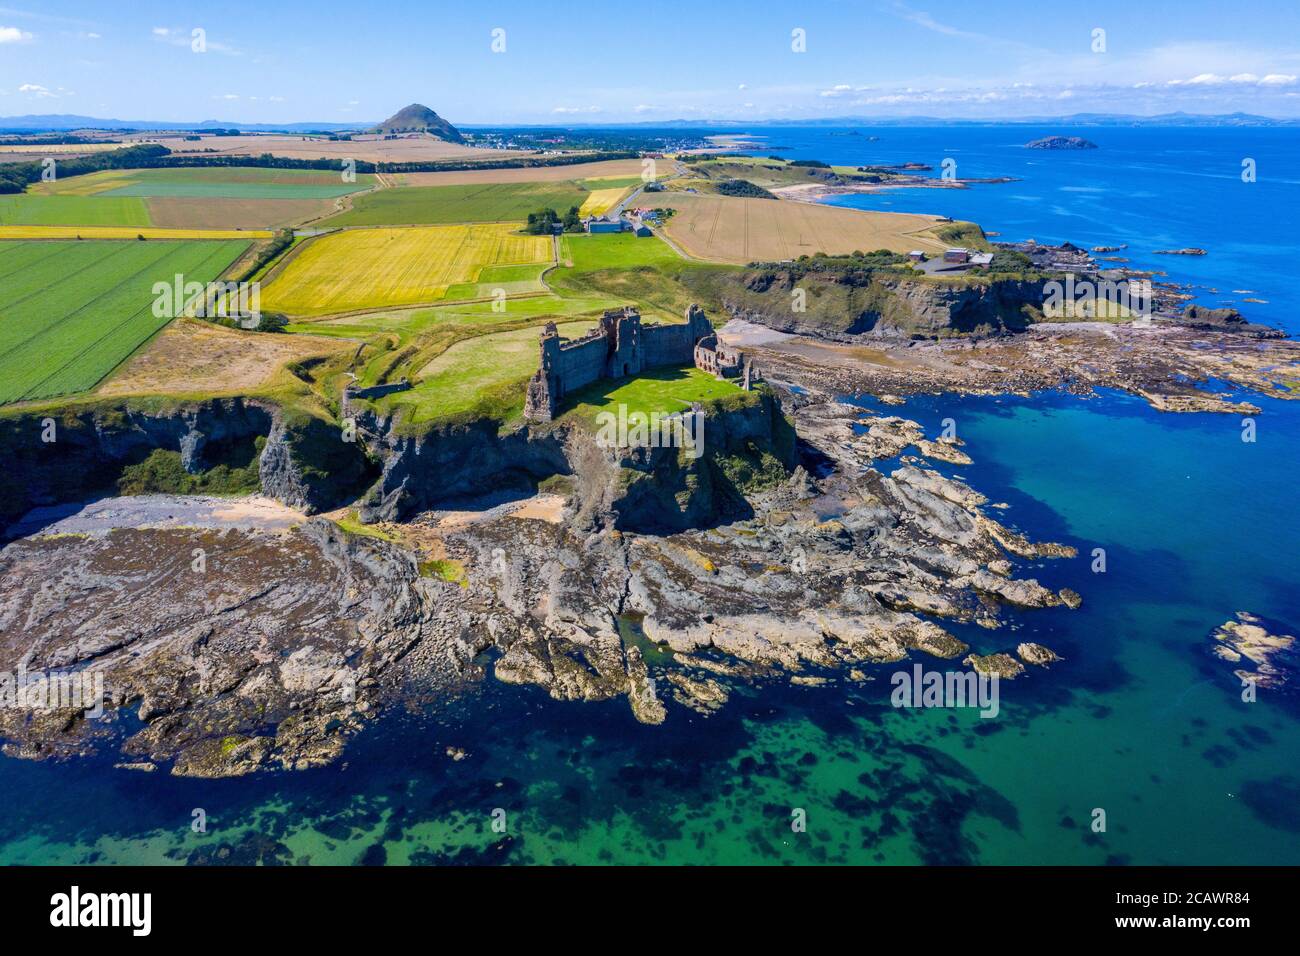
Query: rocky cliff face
{"points": [[57, 457], [637, 488], [887, 306], [444, 463]]}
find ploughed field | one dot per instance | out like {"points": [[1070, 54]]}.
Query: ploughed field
{"points": [[71, 312], [375, 268]]}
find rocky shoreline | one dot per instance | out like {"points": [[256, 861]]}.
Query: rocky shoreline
{"points": [[1168, 365], [288, 638]]}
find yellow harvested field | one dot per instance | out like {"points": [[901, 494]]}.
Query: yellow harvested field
{"points": [[86, 185], [600, 200], [51, 149], [374, 268], [127, 232], [606, 169], [192, 356], [725, 229]]}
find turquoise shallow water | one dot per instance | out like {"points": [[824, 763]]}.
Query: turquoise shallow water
{"points": [[1138, 720]]}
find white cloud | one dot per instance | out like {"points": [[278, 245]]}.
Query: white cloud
{"points": [[1238, 79], [37, 91], [162, 31], [14, 35], [576, 109]]}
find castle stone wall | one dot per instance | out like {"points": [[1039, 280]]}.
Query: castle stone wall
{"points": [[621, 346], [577, 364], [667, 345]]}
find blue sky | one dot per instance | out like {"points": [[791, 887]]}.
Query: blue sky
{"points": [[602, 62]]}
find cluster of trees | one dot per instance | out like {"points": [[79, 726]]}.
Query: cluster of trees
{"points": [[16, 177], [742, 187], [49, 139], [544, 221], [281, 241], [1008, 260]]}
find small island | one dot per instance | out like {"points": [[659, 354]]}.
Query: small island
{"points": [[1061, 142]]}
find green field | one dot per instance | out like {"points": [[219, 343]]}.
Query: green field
{"points": [[35, 210], [618, 251], [663, 390], [458, 380], [494, 202], [71, 312]]}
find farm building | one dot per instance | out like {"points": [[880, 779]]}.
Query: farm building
{"points": [[597, 226]]}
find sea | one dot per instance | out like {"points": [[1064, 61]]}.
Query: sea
{"points": [[1136, 748]]}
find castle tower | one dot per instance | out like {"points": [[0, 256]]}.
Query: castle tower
{"points": [[622, 330], [698, 323], [544, 389]]}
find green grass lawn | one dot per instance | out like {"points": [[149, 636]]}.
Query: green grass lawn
{"points": [[618, 251], [494, 202], [431, 345], [73, 311], [663, 390], [484, 373], [32, 210], [411, 322]]}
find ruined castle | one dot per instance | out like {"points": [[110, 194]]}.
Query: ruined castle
{"points": [[623, 345]]}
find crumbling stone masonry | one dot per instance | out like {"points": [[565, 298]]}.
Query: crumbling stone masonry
{"points": [[620, 346]]}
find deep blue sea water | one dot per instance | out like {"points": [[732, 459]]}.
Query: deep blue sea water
{"points": [[1150, 188], [1138, 719]]}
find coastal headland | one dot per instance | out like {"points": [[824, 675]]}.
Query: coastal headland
{"points": [[381, 513]]}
